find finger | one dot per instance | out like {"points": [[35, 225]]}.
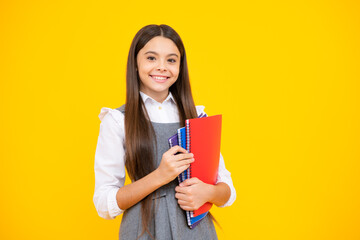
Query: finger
{"points": [[185, 156], [183, 203], [189, 182], [184, 162], [183, 197], [176, 149], [182, 190], [187, 204], [182, 168], [187, 208]]}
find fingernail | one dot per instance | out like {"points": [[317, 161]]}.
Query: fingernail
{"points": [[192, 154], [181, 184]]}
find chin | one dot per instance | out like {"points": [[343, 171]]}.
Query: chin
{"points": [[160, 90], [162, 87]]}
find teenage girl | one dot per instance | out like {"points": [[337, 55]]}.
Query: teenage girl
{"points": [[135, 136]]}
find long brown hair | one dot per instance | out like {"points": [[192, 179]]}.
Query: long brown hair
{"points": [[139, 133]]}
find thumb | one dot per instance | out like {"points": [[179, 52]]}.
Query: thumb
{"points": [[189, 182]]}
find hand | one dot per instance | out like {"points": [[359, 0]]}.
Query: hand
{"points": [[193, 193], [172, 165]]}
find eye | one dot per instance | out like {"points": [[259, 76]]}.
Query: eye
{"points": [[172, 60], [150, 58]]}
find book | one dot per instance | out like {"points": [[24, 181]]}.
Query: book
{"points": [[173, 141], [180, 139], [182, 143], [203, 139]]}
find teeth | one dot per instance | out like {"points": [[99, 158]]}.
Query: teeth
{"points": [[160, 78]]}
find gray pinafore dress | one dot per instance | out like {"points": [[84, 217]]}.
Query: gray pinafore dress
{"points": [[169, 220]]}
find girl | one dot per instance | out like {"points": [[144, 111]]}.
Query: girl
{"points": [[135, 136]]}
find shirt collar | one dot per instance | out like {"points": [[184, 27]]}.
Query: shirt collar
{"points": [[145, 97]]}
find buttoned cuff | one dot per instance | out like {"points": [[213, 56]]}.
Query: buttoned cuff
{"points": [[113, 207]]}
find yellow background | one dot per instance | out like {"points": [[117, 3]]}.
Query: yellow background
{"points": [[284, 74]]}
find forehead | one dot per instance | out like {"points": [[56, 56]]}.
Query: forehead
{"points": [[160, 45]]}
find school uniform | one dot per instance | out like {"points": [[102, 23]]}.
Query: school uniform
{"points": [[168, 221]]}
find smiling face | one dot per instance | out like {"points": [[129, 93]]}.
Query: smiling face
{"points": [[158, 64]]}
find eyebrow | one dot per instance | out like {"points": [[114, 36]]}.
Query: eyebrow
{"points": [[171, 54]]}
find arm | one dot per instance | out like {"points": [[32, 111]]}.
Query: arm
{"points": [[131, 194], [111, 197], [109, 164], [170, 167]]}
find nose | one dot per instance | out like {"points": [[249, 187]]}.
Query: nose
{"points": [[161, 67]]}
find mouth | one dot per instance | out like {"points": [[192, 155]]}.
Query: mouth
{"points": [[159, 79]]}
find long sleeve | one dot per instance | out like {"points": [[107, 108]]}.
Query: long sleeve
{"points": [[223, 174], [109, 163]]}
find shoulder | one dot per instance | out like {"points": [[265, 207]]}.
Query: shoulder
{"points": [[200, 109], [114, 115]]}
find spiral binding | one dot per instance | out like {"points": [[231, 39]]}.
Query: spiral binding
{"points": [[188, 145], [188, 218], [188, 148]]}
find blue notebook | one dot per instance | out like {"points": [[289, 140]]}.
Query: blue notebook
{"points": [[182, 143], [180, 139]]}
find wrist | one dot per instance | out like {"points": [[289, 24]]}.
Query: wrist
{"points": [[159, 177], [212, 193], [220, 193]]}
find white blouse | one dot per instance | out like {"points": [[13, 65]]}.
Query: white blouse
{"points": [[110, 156]]}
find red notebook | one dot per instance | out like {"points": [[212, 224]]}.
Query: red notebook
{"points": [[203, 138]]}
